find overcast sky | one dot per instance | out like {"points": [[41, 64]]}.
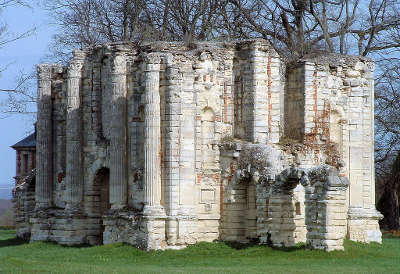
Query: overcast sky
{"points": [[21, 55]]}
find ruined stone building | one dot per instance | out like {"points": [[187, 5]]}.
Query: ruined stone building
{"points": [[165, 145]]}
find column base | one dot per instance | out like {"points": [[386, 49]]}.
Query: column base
{"points": [[60, 226], [145, 232], [73, 209], [185, 224], [118, 207], [154, 211], [172, 230], [42, 206], [154, 233], [363, 226]]}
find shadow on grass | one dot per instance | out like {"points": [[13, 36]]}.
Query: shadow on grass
{"points": [[239, 246], [391, 234], [299, 246], [12, 242]]}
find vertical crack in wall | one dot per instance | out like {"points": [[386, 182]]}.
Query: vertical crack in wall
{"points": [[269, 94]]}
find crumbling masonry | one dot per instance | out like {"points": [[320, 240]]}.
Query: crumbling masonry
{"points": [[165, 145]]}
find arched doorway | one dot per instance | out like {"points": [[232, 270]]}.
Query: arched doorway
{"points": [[101, 199]]}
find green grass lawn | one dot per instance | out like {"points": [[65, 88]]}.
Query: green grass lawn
{"points": [[19, 257]]}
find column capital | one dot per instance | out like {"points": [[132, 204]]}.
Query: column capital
{"points": [[44, 71], [75, 68], [118, 64], [152, 62]]}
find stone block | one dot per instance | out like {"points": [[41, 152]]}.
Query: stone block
{"points": [[167, 88]]}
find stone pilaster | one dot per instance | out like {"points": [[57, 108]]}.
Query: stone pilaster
{"points": [[152, 141], [363, 218], [74, 180], [258, 99], [187, 221], [44, 185], [118, 143], [173, 110]]}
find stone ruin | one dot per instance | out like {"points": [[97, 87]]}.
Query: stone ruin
{"points": [[165, 144]]}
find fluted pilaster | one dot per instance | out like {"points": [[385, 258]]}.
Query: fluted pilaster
{"points": [[74, 182], [152, 142], [44, 154], [118, 146]]}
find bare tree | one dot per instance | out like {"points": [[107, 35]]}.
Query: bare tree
{"points": [[19, 98], [179, 20], [388, 204], [294, 28], [299, 27], [5, 36], [366, 28], [90, 22]]}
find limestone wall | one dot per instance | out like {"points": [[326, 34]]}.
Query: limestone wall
{"points": [[338, 117], [142, 144], [24, 204], [99, 117]]}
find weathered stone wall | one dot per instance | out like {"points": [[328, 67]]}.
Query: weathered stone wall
{"points": [[24, 204], [168, 145], [326, 210], [337, 94]]}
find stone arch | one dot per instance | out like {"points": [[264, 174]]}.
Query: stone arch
{"points": [[286, 228], [208, 138], [98, 203], [251, 211], [326, 212], [101, 185], [325, 207], [239, 214]]}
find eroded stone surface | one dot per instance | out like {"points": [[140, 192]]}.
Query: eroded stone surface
{"points": [[162, 145]]}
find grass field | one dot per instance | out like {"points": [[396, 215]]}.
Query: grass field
{"points": [[19, 257]]}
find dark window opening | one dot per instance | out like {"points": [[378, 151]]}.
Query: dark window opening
{"points": [[25, 163], [298, 208]]}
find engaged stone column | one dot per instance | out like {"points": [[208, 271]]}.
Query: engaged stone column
{"points": [[256, 102], [44, 154], [118, 146], [152, 141], [173, 97], [74, 186]]}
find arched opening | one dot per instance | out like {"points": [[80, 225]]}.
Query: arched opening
{"points": [[287, 224], [298, 208], [102, 183], [251, 212], [101, 197]]}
